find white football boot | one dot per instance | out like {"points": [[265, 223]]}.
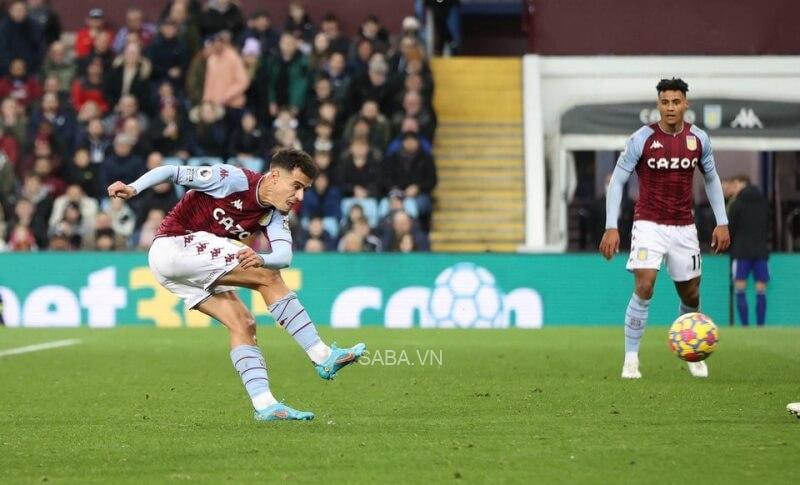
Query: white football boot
{"points": [[794, 408], [698, 369], [630, 369]]}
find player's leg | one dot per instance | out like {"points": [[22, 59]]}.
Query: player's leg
{"points": [[684, 267], [293, 317], [647, 252], [246, 356], [761, 271], [741, 270]]}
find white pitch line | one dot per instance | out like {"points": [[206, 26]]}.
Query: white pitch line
{"points": [[37, 347]]}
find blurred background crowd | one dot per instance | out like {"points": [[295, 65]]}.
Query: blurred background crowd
{"points": [[204, 84]]}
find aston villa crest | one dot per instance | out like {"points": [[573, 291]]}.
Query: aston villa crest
{"points": [[712, 116], [691, 143]]}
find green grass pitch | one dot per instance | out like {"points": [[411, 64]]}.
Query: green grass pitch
{"points": [[144, 405]]}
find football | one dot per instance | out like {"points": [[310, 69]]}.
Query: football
{"points": [[693, 337]]}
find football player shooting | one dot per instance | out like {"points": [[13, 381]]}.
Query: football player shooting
{"points": [[198, 255], [664, 156]]}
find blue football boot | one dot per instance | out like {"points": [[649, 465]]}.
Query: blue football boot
{"points": [[282, 412], [339, 358]]}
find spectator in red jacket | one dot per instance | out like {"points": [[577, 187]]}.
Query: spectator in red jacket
{"points": [[95, 24], [19, 85], [89, 88]]}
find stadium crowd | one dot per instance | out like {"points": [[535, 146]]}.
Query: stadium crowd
{"points": [[206, 85]]}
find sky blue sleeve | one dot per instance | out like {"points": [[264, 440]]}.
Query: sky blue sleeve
{"points": [[280, 239], [164, 173], [217, 181], [715, 196], [614, 196], [707, 163], [626, 164], [630, 156]]}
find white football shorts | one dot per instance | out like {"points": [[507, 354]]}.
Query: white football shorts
{"points": [[677, 246], [188, 266]]}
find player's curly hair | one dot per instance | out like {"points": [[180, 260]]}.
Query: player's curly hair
{"points": [[674, 84], [292, 158]]}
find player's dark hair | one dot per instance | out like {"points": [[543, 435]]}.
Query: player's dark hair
{"points": [[674, 84], [291, 158], [742, 178]]}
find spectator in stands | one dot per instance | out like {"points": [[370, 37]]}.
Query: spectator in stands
{"points": [[59, 66], [37, 213], [19, 84], [248, 140], [130, 74], [299, 25], [169, 55], [358, 61], [185, 15], [413, 107], [336, 71], [148, 232], [322, 93], [373, 85], [60, 121], [135, 28], [22, 236], [95, 141], [102, 236], [226, 77], [20, 37], [359, 174], [127, 107], [320, 52], [209, 137], [351, 242], [413, 172], [169, 133], [336, 39], [379, 130], [414, 82], [316, 230], [82, 172], [141, 143], [90, 89], [219, 15], [324, 160], [8, 183], [322, 139], [53, 85], [329, 112], [95, 25], [196, 74], [371, 30], [288, 77], [121, 163], [86, 206], [101, 49], [409, 125], [161, 197], [405, 235], [47, 18], [14, 120], [312, 245], [322, 200], [123, 221], [44, 167], [259, 27], [447, 25], [370, 242], [9, 147]]}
